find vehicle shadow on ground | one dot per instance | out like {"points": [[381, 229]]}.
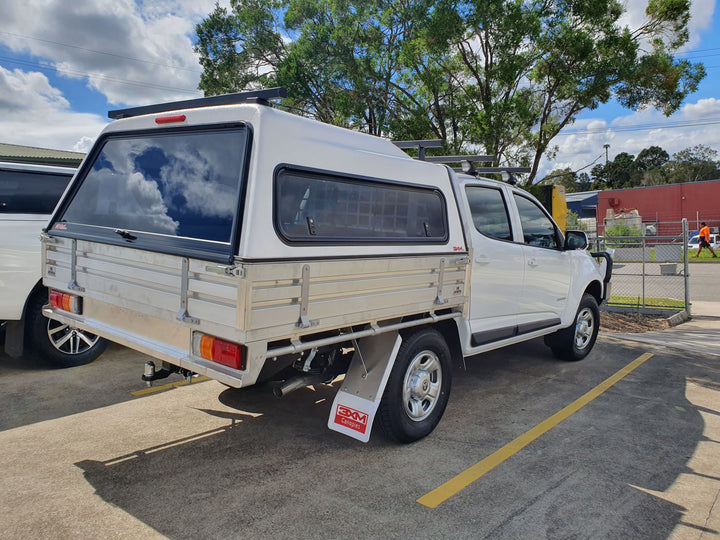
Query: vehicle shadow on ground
{"points": [[36, 391], [275, 468]]}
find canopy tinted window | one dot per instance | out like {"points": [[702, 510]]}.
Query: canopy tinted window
{"points": [[182, 183], [328, 208]]}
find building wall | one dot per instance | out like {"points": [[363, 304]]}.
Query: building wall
{"points": [[668, 204]]}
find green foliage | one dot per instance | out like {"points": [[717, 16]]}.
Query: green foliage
{"points": [[621, 229], [693, 165], [653, 167], [573, 222], [501, 77]]}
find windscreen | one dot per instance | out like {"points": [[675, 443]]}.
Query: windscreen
{"points": [[181, 183]]}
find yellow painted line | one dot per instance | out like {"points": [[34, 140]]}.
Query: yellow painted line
{"points": [[467, 477], [153, 389]]}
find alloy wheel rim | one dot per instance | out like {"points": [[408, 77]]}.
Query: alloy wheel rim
{"points": [[70, 340]]}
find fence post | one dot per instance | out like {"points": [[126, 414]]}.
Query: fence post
{"points": [[686, 266], [642, 247]]}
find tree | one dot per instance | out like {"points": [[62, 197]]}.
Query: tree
{"points": [[650, 158], [502, 76], [562, 177], [584, 182], [649, 164], [622, 172], [693, 165]]}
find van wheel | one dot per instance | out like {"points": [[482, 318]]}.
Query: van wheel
{"points": [[576, 342], [60, 344], [418, 388]]}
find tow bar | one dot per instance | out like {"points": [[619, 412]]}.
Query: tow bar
{"points": [[152, 374]]}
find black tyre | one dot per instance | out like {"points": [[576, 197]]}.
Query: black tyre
{"points": [[59, 344], [418, 388], [576, 342]]}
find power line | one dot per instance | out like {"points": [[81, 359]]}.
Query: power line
{"points": [[552, 176], [100, 52], [640, 127], [102, 77]]}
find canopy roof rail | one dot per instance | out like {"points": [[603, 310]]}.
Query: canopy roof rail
{"points": [[421, 145], [261, 97], [460, 159], [507, 173], [512, 170]]}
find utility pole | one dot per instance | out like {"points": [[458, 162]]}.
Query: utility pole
{"points": [[606, 146]]}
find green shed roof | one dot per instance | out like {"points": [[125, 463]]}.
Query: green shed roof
{"points": [[31, 154]]}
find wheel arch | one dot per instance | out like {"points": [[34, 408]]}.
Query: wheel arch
{"points": [[449, 331], [595, 289], [36, 290]]}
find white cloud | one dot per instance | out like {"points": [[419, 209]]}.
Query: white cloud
{"points": [[696, 123], [33, 113], [133, 53], [702, 109]]}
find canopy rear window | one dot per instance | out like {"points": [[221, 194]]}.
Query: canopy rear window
{"points": [[184, 184]]}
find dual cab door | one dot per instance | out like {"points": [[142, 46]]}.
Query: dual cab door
{"points": [[521, 275]]}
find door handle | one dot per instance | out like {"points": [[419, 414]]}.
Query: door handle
{"points": [[533, 262], [482, 259]]}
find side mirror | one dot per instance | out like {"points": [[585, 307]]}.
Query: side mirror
{"points": [[575, 240]]}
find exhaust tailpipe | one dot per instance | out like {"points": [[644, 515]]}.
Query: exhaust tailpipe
{"points": [[294, 383]]}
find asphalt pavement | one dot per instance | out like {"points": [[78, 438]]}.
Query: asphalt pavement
{"points": [[85, 457], [699, 335]]}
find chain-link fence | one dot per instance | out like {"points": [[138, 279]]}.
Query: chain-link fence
{"points": [[650, 273]]}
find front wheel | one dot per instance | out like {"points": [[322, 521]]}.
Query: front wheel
{"points": [[576, 342], [418, 388], [58, 343]]}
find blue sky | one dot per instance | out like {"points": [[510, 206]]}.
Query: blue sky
{"points": [[63, 65]]}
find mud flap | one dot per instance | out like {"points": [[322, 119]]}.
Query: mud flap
{"points": [[358, 399], [14, 336]]}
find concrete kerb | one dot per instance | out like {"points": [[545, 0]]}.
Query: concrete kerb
{"points": [[678, 318], [698, 334]]}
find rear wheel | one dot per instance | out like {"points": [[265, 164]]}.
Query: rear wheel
{"points": [[418, 388], [60, 344], [576, 342]]}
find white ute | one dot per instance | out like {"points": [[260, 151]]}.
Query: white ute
{"points": [[230, 239]]}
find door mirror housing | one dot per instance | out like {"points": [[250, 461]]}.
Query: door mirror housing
{"points": [[575, 240]]}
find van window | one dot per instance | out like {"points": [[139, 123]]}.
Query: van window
{"points": [[312, 206], [30, 192], [180, 183]]}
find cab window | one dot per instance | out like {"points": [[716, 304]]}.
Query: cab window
{"points": [[489, 212], [538, 229]]}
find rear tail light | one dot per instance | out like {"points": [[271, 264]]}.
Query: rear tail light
{"points": [[65, 301], [219, 351]]}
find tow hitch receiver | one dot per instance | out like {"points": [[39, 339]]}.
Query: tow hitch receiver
{"points": [[152, 374]]}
